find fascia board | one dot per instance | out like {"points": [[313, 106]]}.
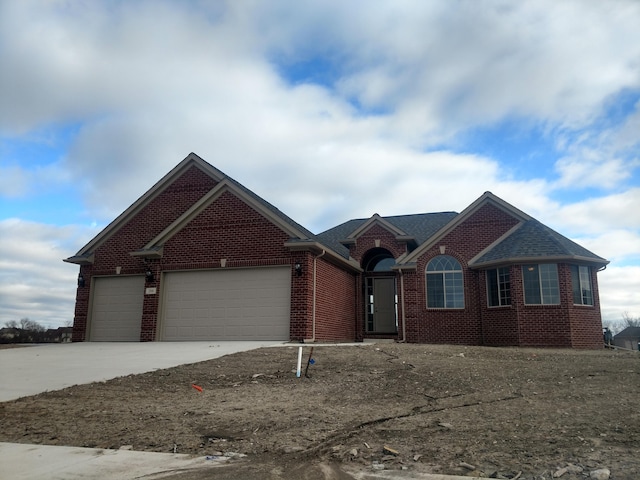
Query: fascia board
{"points": [[375, 219], [223, 186], [191, 160], [317, 248], [487, 197], [80, 260], [537, 260]]}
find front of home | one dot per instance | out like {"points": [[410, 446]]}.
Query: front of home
{"points": [[201, 257]]}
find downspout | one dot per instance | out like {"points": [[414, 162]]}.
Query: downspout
{"points": [[313, 311], [404, 318]]}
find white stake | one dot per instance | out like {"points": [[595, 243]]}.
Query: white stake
{"points": [[299, 362]]}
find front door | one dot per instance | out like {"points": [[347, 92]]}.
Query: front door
{"points": [[381, 308]]}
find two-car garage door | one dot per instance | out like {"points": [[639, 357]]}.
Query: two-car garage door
{"points": [[240, 304], [233, 304]]}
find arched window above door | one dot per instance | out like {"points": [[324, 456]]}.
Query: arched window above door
{"points": [[379, 261]]}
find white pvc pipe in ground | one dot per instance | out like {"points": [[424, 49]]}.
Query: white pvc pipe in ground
{"points": [[299, 362]]}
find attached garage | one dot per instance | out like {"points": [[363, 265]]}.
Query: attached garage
{"points": [[116, 312], [229, 304]]}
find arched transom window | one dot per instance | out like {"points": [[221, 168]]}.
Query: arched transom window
{"points": [[445, 288]]}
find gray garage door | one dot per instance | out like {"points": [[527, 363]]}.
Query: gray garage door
{"points": [[116, 312], [241, 304]]}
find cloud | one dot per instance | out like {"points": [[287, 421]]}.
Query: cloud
{"points": [[599, 215], [618, 292], [34, 282]]}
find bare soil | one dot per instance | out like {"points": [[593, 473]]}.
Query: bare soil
{"points": [[501, 412]]}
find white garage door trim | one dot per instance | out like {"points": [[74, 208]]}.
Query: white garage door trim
{"points": [[116, 309], [229, 304]]}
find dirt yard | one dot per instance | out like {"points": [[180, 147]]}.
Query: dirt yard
{"points": [[493, 412]]}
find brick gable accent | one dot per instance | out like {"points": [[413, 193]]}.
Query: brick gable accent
{"points": [[114, 252], [454, 326], [367, 241]]}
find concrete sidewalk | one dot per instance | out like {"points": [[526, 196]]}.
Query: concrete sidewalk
{"points": [[40, 462], [34, 369]]}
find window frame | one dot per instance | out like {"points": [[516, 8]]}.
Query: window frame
{"points": [[449, 279], [502, 288], [577, 272], [543, 286]]}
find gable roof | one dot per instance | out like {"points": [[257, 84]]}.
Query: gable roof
{"points": [[418, 227], [629, 332], [528, 241], [154, 247], [486, 198], [532, 241], [85, 254]]}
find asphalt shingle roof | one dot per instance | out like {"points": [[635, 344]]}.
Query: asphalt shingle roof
{"points": [[420, 226], [535, 240]]}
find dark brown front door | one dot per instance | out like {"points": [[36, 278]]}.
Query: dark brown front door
{"points": [[381, 308]]}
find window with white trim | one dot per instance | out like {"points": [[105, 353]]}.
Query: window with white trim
{"points": [[541, 284], [581, 283], [445, 287], [498, 287]]}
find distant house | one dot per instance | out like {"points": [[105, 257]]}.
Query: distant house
{"points": [[628, 338], [201, 257], [58, 335]]}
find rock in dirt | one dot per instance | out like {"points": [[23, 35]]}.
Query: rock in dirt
{"points": [[600, 474], [570, 468], [468, 466]]}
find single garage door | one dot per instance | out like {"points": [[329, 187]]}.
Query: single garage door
{"points": [[241, 304], [116, 312]]}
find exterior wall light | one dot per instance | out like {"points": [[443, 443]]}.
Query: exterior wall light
{"points": [[298, 268], [148, 275], [80, 280]]}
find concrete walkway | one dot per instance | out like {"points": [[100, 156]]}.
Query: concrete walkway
{"points": [[30, 370], [40, 462]]}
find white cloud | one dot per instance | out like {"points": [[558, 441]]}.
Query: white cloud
{"points": [[34, 282], [600, 215], [17, 181], [618, 292]]}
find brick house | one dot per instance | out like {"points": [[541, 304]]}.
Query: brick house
{"points": [[201, 257]]}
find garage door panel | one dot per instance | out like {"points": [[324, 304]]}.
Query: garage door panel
{"points": [[116, 312], [239, 304]]}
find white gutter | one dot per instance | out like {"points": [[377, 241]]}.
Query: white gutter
{"points": [[313, 313]]}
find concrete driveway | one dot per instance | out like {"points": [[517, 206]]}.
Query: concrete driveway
{"points": [[34, 369]]}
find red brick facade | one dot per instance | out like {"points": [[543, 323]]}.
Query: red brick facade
{"points": [[230, 230]]}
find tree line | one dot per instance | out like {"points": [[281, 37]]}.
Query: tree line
{"points": [[29, 331], [619, 325]]}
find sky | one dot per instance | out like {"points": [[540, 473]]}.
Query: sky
{"points": [[329, 110]]}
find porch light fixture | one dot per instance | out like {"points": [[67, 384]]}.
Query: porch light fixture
{"points": [[80, 280], [298, 268], [148, 275]]}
